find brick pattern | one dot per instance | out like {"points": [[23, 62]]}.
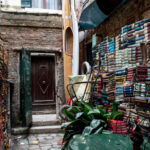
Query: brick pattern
{"points": [[129, 13], [31, 20], [34, 31], [25, 36]]}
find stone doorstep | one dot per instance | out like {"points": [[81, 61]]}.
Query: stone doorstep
{"points": [[37, 130], [43, 112], [46, 129], [45, 123], [45, 120]]}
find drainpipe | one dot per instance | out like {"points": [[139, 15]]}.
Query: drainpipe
{"points": [[77, 38], [75, 59], [82, 35], [79, 6]]}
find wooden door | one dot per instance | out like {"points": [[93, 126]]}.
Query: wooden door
{"points": [[43, 83]]}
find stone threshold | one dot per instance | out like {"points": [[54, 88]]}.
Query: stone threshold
{"points": [[37, 130]]}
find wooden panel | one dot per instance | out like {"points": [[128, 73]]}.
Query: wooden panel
{"points": [[67, 14], [67, 72], [68, 40], [43, 79]]}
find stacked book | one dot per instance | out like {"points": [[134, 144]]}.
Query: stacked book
{"points": [[120, 77], [111, 65]]}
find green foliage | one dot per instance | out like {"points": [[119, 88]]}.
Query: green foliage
{"points": [[95, 123], [75, 109], [79, 115], [94, 128], [114, 114], [94, 111], [99, 131], [86, 119], [100, 109], [87, 131], [69, 115]]}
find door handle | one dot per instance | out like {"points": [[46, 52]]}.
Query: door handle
{"points": [[43, 82]]}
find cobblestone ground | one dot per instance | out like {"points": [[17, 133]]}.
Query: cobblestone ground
{"points": [[36, 142]]}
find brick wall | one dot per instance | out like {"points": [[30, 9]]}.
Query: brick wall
{"points": [[132, 11], [30, 30], [35, 32]]}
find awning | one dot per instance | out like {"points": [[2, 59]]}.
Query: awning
{"points": [[96, 12]]}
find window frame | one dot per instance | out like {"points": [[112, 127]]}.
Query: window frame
{"points": [[28, 4]]}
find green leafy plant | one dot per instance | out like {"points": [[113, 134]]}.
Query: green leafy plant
{"points": [[84, 118], [114, 114]]}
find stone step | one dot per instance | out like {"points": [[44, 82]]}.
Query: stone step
{"points": [[37, 130], [45, 120], [43, 101], [44, 117], [43, 106], [45, 123], [46, 129], [52, 111]]}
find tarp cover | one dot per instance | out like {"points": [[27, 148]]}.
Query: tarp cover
{"points": [[100, 142], [97, 12]]}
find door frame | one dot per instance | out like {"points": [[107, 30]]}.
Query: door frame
{"points": [[36, 54], [25, 75]]}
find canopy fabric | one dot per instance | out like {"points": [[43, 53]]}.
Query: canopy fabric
{"points": [[97, 12]]}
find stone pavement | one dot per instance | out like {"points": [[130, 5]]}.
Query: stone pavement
{"points": [[36, 142]]}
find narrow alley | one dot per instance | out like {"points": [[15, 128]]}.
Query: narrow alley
{"points": [[74, 74]]}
